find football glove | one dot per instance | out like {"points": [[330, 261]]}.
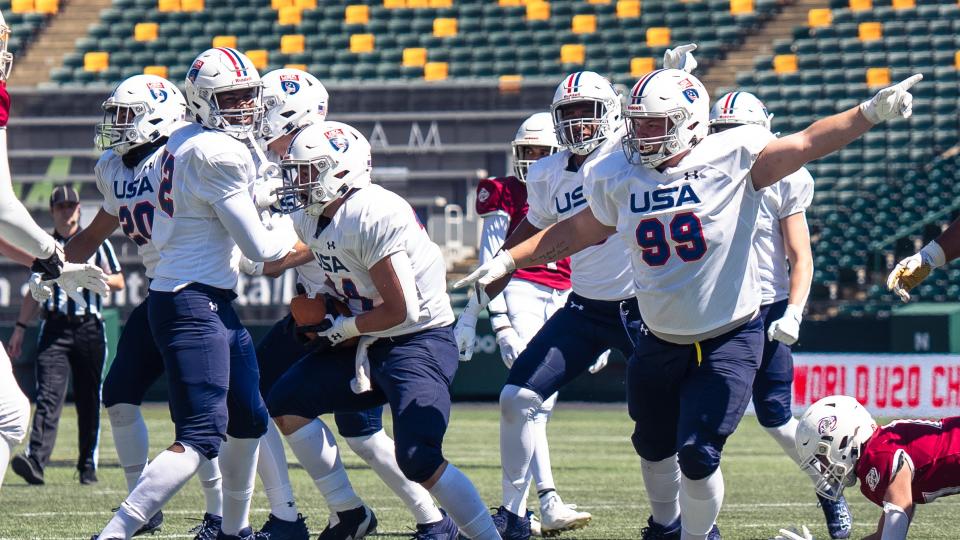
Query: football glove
{"points": [[510, 345], [341, 329], [914, 269], [891, 102], [786, 329], [794, 534], [680, 58], [40, 291], [465, 331], [600, 362], [70, 277], [265, 192], [490, 271]]}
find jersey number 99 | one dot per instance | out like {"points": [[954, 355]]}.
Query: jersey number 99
{"points": [[686, 232]]}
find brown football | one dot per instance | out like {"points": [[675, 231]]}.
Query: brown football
{"points": [[310, 310]]}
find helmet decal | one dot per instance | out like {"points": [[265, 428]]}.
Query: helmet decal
{"points": [[236, 60]]}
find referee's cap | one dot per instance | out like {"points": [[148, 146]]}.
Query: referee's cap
{"points": [[62, 194]]}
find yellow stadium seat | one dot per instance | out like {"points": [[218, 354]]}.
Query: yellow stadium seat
{"points": [[435, 71], [159, 71], [414, 57], [628, 9], [191, 5], [904, 4], [292, 43], [538, 11], [418, 4], [305, 4], [640, 66], [289, 15], [870, 31], [224, 41], [785, 63], [860, 5], [819, 17], [258, 57], [584, 24], [511, 2], [441, 3], [96, 61], [357, 14], [572, 53], [301, 67], [599, 2], [361, 43], [658, 36], [277, 4], [956, 59], [168, 5], [22, 6], [510, 83], [394, 4], [741, 7], [878, 76], [147, 31], [444, 27], [49, 7]]}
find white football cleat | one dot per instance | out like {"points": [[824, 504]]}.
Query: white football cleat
{"points": [[557, 517], [535, 529]]}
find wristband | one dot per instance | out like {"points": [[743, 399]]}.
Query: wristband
{"points": [[933, 254], [21, 325]]}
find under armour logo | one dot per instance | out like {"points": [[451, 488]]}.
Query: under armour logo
{"points": [[691, 175], [644, 330], [331, 245], [213, 306], [576, 306]]}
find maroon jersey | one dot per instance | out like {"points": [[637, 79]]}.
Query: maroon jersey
{"points": [[932, 446], [509, 196]]}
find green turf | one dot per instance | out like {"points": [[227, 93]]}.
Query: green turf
{"points": [[594, 465]]}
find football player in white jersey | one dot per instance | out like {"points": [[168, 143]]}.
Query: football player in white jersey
{"points": [[19, 230], [586, 114], [138, 118], [294, 99], [687, 205], [206, 218], [378, 259], [912, 270]]}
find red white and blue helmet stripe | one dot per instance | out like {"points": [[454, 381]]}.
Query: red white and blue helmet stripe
{"points": [[641, 85], [236, 59], [572, 84]]}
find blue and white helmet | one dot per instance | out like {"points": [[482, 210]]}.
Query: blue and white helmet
{"points": [[292, 99], [737, 109], [672, 94], [215, 72], [535, 131], [141, 110], [589, 87]]}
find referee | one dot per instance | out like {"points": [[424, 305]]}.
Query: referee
{"points": [[71, 339]]}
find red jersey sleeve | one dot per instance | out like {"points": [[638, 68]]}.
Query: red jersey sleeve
{"points": [[875, 470], [4, 104], [492, 197]]}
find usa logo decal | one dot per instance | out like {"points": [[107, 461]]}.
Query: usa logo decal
{"points": [[691, 94], [194, 70], [157, 91], [827, 424], [338, 140], [290, 84]]}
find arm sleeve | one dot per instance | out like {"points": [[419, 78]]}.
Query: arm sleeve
{"points": [[538, 213], [403, 268], [108, 258], [491, 240], [241, 219], [797, 193], [602, 204], [491, 198], [383, 233], [16, 225], [896, 522]]}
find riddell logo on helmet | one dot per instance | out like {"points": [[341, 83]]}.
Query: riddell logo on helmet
{"points": [[827, 424]]}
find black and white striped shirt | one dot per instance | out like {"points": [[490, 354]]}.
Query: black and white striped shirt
{"points": [[105, 258]]}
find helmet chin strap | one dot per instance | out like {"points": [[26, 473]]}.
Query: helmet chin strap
{"points": [[267, 169]]}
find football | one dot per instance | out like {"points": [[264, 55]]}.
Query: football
{"points": [[312, 310]]}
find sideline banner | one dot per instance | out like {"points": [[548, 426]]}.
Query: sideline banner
{"points": [[889, 385]]}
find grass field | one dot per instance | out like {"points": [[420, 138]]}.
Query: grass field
{"points": [[594, 465]]}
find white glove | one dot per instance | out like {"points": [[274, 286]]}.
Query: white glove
{"points": [[600, 362], [74, 277], [786, 329], [490, 271], [265, 192], [891, 102], [250, 268], [680, 58], [510, 345], [343, 328], [914, 269], [793, 534], [465, 331], [39, 289]]}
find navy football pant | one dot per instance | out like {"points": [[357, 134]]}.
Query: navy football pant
{"points": [[412, 373], [687, 399], [137, 364], [774, 382], [279, 350], [211, 367]]}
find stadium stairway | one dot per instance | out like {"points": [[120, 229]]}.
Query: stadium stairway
{"points": [[57, 39]]}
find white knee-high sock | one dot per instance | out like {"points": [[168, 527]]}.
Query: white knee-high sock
{"points": [[461, 500], [540, 461], [272, 468], [238, 463], [662, 482], [517, 442], [131, 439], [163, 478], [700, 502], [6, 448], [211, 483], [316, 449], [378, 452], [786, 437]]}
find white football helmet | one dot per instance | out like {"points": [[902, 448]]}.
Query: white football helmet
{"points": [[325, 161], [536, 131], [737, 109], [830, 437], [591, 88], [141, 109], [674, 99], [6, 57], [215, 73], [291, 99]]}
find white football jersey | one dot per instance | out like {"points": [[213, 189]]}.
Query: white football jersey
{"points": [[199, 168], [131, 195], [373, 224], [554, 193], [790, 196], [690, 231]]}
